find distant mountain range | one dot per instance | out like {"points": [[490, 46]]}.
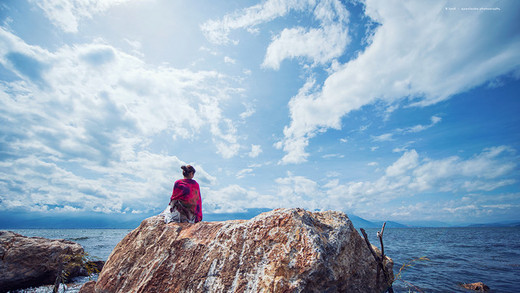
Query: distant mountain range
{"points": [[500, 224], [13, 220], [362, 223]]}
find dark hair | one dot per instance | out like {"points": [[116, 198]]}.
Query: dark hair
{"points": [[187, 170]]}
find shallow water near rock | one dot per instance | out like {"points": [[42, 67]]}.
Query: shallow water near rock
{"points": [[457, 255]]}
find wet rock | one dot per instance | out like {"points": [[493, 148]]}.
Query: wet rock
{"points": [[285, 250], [478, 286], [34, 261]]}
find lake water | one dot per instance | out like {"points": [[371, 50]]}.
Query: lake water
{"points": [[456, 255]]}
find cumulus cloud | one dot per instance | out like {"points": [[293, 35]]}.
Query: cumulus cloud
{"points": [[409, 175], [412, 174], [236, 199], [320, 45], [255, 150], [217, 31], [298, 191], [86, 120], [420, 54], [66, 14], [229, 60], [459, 210], [287, 192], [408, 161]]}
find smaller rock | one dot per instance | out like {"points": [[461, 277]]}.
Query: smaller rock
{"points": [[34, 261], [88, 287], [478, 286]]}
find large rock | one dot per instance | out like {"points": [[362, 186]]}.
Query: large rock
{"points": [[35, 261], [285, 250]]}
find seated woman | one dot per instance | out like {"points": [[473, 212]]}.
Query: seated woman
{"points": [[185, 202]]}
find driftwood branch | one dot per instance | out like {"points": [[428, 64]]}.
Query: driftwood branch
{"points": [[380, 236], [379, 260]]}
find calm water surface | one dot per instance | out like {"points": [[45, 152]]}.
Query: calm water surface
{"points": [[457, 255]]}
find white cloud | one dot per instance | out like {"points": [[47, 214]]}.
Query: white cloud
{"points": [[250, 110], [235, 199], [330, 156], [298, 191], [420, 127], [383, 137], [294, 144], [229, 60], [296, 186], [217, 31], [413, 129], [451, 211], [420, 54], [500, 206], [411, 175], [227, 151], [208, 50], [320, 45], [85, 116], [244, 172], [486, 186], [255, 150], [362, 128], [66, 14], [44, 185], [408, 161]]}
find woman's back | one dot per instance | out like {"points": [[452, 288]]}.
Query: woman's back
{"points": [[186, 199], [186, 194]]}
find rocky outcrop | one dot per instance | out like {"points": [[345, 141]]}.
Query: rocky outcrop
{"points": [[285, 250], [478, 286], [35, 261]]}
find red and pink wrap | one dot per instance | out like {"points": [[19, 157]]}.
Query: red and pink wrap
{"points": [[187, 193]]}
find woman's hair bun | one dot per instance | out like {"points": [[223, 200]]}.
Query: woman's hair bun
{"points": [[187, 169]]}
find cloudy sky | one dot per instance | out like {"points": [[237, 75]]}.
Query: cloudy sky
{"points": [[389, 110]]}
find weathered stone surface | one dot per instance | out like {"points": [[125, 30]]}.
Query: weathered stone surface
{"points": [[285, 250], [88, 287], [34, 261]]}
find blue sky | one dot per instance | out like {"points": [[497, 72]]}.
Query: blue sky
{"points": [[389, 110]]}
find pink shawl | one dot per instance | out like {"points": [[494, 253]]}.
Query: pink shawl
{"points": [[187, 193]]}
